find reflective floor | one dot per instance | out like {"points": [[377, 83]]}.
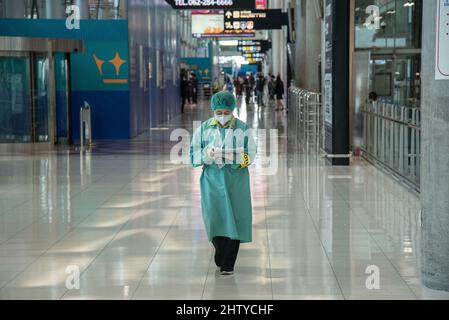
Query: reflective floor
{"points": [[128, 221]]}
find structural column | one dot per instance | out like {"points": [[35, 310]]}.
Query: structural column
{"points": [[308, 45], [336, 82], [84, 8], [54, 9], [279, 46], [435, 158], [15, 9]]}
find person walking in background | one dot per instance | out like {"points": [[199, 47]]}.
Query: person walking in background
{"points": [[272, 89], [279, 92], [260, 88], [247, 86], [238, 87], [184, 89], [252, 83], [216, 86], [229, 86], [189, 89], [194, 81], [372, 97]]}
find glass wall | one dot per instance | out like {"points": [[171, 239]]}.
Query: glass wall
{"points": [[15, 98], [55, 9], [396, 79], [391, 31], [24, 100], [388, 23]]}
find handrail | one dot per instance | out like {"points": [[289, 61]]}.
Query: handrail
{"points": [[306, 122], [392, 138]]}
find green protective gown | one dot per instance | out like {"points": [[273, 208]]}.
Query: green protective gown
{"points": [[225, 187]]}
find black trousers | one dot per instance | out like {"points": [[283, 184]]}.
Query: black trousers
{"points": [[183, 103], [226, 251]]}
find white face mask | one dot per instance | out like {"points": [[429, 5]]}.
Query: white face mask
{"points": [[223, 119]]}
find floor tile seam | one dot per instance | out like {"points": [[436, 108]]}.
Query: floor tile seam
{"points": [[110, 241], [49, 248], [154, 256], [385, 255]]}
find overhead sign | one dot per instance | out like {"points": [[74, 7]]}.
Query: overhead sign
{"points": [[253, 55], [210, 24], [255, 60], [255, 19], [251, 42], [226, 34], [442, 45], [249, 46], [250, 49], [212, 4], [261, 4]]}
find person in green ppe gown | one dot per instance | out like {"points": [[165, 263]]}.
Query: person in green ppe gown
{"points": [[224, 147]]}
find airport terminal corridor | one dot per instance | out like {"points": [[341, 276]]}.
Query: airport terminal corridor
{"points": [[258, 152], [130, 222]]}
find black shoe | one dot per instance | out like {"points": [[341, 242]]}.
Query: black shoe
{"points": [[226, 273]]}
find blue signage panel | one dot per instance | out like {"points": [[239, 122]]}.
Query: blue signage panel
{"points": [[102, 66], [202, 67]]}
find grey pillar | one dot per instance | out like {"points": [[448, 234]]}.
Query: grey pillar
{"points": [[308, 45], [54, 9], [435, 161], [14, 9], [300, 46], [279, 46], [84, 8]]}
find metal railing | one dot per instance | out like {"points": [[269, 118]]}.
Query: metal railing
{"points": [[392, 137], [306, 118]]}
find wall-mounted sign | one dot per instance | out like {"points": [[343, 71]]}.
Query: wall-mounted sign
{"points": [[255, 19], [442, 45], [212, 4]]}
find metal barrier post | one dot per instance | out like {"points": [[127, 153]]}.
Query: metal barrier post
{"points": [[85, 125], [305, 108]]}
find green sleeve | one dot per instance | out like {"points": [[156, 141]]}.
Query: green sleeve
{"points": [[197, 156], [250, 150]]}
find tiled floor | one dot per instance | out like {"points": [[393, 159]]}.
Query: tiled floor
{"points": [[130, 221]]}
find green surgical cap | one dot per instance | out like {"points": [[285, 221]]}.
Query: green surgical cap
{"points": [[223, 100]]}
